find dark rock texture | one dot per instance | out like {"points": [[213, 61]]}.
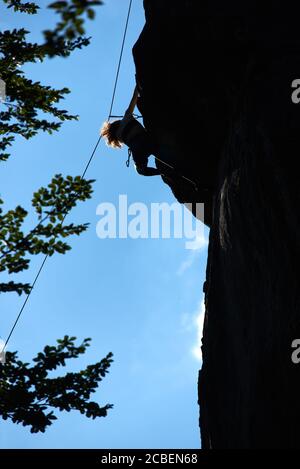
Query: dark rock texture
{"points": [[249, 387], [215, 81]]}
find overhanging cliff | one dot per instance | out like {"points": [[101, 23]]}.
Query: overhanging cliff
{"points": [[215, 84]]}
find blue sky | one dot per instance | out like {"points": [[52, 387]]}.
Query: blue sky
{"points": [[140, 299]]}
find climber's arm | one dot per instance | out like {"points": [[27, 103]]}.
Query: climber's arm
{"points": [[133, 101], [128, 116]]}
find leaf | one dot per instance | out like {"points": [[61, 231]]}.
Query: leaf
{"points": [[91, 14], [58, 5]]}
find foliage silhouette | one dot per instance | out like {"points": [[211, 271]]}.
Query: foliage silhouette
{"points": [[27, 392]]}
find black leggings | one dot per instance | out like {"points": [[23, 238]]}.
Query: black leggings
{"points": [[141, 148]]}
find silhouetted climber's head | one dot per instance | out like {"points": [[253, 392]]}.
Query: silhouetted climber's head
{"points": [[110, 132]]}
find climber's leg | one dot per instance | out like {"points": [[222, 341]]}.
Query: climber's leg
{"points": [[141, 148], [147, 171]]}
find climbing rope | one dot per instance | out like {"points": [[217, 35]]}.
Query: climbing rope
{"points": [[179, 174], [136, 116], [82, 176]]}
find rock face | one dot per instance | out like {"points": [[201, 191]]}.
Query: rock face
{"points": [[249, 387], [216, 95], [177, 76]]}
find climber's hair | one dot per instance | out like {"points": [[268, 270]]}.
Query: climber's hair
{"points": [[109, 132]]}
